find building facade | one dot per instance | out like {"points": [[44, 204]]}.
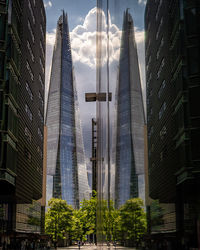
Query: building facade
{"points": [[129, 176], [66, 168], [173, 87], [23, 25]]}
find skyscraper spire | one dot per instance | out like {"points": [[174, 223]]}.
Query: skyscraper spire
{"points": [[65, 153], [130, 120]]}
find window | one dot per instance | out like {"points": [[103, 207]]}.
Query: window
{"points": [[31, 31], [31, 11], [28, 134], [151, 130], [41, 82], [40, 116], [148, 63], [41, 47], [40, 134], [39, 150], [29, 91], [161, 88], [29, 70], [159, 28], [41, 29], [160, 68], [28, 111], [149, 80], [158, 9], [148, 47], [41, 64], [163, 132], [41, 99], [162, 110], [42, 14], [27, 154], [30, 51], [159, 48]]}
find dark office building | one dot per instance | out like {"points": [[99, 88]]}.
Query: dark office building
{"points": [[129, 181], [173, 91], [22, 66]]}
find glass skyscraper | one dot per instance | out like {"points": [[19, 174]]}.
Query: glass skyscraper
{"points": [[66, 167], [129, 177]]}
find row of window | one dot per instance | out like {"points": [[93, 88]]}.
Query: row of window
{"points": [[40, 116], [158, 9], [29, 113], [29, 138], [30, 51], [148, 63], [42, 31], [40, 134], [31, 31], [42, 15], [29, 70], [32, 75], [42, 66], [29, 91], [159, 48], [41, 99], [31, 11], [28, 134], [162, 64], [163, 132], [41, 82], [41, 47], [162, 110], [159, 28]]}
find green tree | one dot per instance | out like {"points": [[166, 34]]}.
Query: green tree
{"points": [[88, 215], [58, 219], [156, 220], [133, 221], [78, 228], [111, 221]]}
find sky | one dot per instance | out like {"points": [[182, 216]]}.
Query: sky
{"points": [[82, 25]]}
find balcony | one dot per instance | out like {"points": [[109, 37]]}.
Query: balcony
{"points": [[6, 176]]}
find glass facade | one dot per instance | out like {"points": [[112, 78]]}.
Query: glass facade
{"points": [[130, 120], [121, 118], [66, 168]]}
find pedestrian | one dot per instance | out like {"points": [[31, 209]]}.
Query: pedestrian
{"points": [[48, 245], [79, 244]]}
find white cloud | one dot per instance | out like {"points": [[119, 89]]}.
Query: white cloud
{"points": [[48, 4], [83, 40], [143, 2], [83, 44]]}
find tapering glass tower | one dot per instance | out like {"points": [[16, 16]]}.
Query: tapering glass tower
{"points": [[129, 180], [66, 168]]}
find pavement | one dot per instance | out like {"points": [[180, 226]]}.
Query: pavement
{"points": [[93, 247]]}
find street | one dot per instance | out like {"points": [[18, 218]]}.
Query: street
{"points": [[93, 247]]}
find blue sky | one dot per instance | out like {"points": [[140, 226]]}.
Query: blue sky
{"points": [[82, 25], [77, 10]]}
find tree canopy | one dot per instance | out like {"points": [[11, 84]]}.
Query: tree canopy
{"points": [[133, 221], [58, 220], [126, 224]]}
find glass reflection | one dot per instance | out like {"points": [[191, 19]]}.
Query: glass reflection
{"points": [[120, 121]]}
